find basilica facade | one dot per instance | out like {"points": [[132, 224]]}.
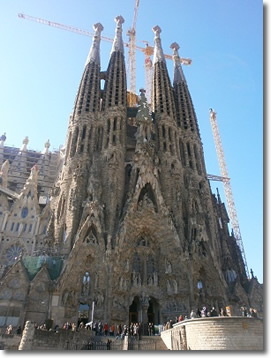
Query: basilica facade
{"points": [[130, 230]]}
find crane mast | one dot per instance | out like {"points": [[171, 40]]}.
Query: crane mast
{"points": [[227, 186], [132, 59]]}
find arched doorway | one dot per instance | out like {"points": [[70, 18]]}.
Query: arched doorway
{"points": [[83, 314], [153, 311], [134, 311]]}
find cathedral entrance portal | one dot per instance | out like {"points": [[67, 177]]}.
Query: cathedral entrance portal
{"points": [[153, 311], [150, 313], [83, 314], [135, 311]]}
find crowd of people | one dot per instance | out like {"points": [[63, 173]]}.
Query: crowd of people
{"points": [[104, 329], [205, 312], [136, 329]]}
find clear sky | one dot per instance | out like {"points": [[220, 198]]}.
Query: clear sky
{"points": [[41, 68]]}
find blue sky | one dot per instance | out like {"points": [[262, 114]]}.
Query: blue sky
{"points": [[41, 68]]}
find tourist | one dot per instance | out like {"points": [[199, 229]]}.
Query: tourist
{"points": [[96, 328], [244, 311], [193, 314], [136, 331], [105, 329], [111, 330], [204, 312], [222, 312], [150, 329], [124, 332], [253, 313], [119, 330], [100, 328], [19, 330], [9, 329], [213, 312], [131, 329], [180, 318]]}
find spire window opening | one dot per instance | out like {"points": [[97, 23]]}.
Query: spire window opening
{"points": [[169, 134], [198, 164], [74, 142], [182, 153], [83, 133], [188, 149], [89, 140], [163, 131], [115, 123]]}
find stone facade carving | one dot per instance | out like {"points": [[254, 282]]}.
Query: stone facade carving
{"points": [[114, 236]]}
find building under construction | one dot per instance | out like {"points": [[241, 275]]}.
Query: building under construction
{"points": [[132, 231]]}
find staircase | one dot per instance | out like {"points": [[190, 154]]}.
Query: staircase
{"points": [[147, 343]]}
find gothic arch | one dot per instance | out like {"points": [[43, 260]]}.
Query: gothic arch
{"points": [[90, 232], [91, 236], [147, 197]]}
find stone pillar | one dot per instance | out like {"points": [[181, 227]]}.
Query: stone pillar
{"points": [[183, 342], [27, 337], [145, 306], [145, 319]]}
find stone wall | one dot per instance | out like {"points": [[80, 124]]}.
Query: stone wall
{"points": [[216, 333], [10, 341], [41, 340]]}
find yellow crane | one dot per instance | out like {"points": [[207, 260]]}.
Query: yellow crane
{"points": [[148, 52], [227, 186]]}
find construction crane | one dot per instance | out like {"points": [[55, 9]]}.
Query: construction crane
{"points": [[227, 186], [132, 59], [148, 50]]}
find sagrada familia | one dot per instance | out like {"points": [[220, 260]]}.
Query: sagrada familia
{"points": [[121, 225]]}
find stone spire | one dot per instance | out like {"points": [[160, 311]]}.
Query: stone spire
{"points": [[24, 146], [185, 113], [94, 53], [4, 174], [115, 87], [46, 147], [162, 95], [2, 140], [158, 55], [33, 177], [2, 144], [118, 43], [88, 96], [178, 71]]}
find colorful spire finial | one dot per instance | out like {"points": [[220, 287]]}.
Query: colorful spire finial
{"points": [[94, 53], [158, 55], [178, 71]]}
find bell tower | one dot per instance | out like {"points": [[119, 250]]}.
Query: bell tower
{"points": [[70, 191]]}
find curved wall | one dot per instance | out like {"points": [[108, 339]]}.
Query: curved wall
{"points": [[216, 333]]}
